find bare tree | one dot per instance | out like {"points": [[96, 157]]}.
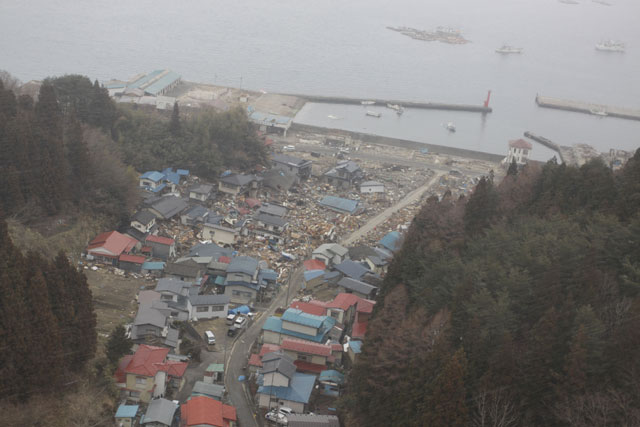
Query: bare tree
{"points": [[494, 408]]}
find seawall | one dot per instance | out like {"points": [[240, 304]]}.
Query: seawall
{"points": [[404, 143]]}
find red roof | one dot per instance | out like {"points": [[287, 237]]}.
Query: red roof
{"points": [[359, 330], [344, 301], [137, 259], [365, 306], [252, 203], [309, 367], [173, 368], [309, 308], [301, 346], [146, 360], [255, 360], [268, 348], [146, 249], [162, 240], [111, 244], [314, 264], [202, 410], [224, 259], [520, 143]]}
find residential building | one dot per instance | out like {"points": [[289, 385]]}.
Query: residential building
{"points": [[202, 411], [354, 348], [154, 268], [361, 289], [153, 181], [160, 413], [210, 306], [296, 324], [161, 247], [235, 184], [377, 259], [198, 214], [292, 165], [307, 356], [343, 307], [220, 234], [201, 192], [344, 174], [340, 205], [330, 253], [131, 263], [167, 207], [214, 391], [272, 209], [143, 221], [519, 150], [281, 385], [107, 247], [148, 373], [241, 283], [391, 241], [369, 187], [270, 227], [126, 415], [152, 322], [364, 309], [331, 382], [278, 181], [352, 269], [185, 270]]}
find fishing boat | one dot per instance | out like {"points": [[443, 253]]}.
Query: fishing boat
{"points": [[450, 127], [332, 117], [610, 46], [598, 112], [509, 49], [367, 102], [394, 107], [373, 114]]}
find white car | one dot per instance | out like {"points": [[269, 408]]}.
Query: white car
{"points": [[277, 417], [240, 322], [289, 148]]}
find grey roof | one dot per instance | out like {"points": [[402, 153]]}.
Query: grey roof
{"points": [[290, 160], [357, 286], [359, 253], [271, 219], [352, 269], [149, 316], [198, 211], [188, 268], [348, 165], [238, 179], [339, 204], [172, 337], [243, 264], [308, 420], [144, 217], [217, 266], [170, 284], [160, 411], [169, 206], [279, 180], [271, 209], [278, 362], [329, 249], [215, 391], [201, 189], [210, 249], [209, 299]]}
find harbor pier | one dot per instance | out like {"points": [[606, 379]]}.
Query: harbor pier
{"points": [[588, 108]]}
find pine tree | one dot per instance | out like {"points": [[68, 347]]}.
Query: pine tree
{"points": [[447, 403], [481, 208], [118, 344], [174, 126], [77, 152], [513, 168]]}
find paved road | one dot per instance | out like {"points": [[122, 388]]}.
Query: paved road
{"points": [[384, 215], [239, 354]]}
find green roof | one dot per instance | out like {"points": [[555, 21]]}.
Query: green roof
{"points": [[215, 367]]}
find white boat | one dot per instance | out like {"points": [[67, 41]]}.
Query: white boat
{"points": [[610, 46], [394, 107], [367, 102], [450, 127], [509, 49], [373, 114], [332, 117], [569, 1], [598, 112]]}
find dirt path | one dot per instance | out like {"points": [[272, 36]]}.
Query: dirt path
{"points": [[384, 215]]}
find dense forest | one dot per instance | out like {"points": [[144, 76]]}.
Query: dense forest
{"points": [[518, 306], [47, 322]]}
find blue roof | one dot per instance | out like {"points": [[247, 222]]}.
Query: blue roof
{"points": [[127, 411], [331, 375], [144, 79], [243, 309], [267, 118], [152, 265], [274, 324], [299, 390], [391, 240], [352, 269], [339, 204], [183, 172], [171, 176], [268, 275], [220, 280], [243, 264], [164, 81], [154, 176], [253, 286], [158, 188], [313, 274], [356, 346], [294, 315]]}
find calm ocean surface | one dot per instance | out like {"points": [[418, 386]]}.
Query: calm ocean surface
{"points": [[343, 48]]}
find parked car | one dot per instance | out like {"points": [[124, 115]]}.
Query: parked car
{"points": [[232, 332], [210, 337], [277, 417], [240, 322], [285, 411], [230, 319]]}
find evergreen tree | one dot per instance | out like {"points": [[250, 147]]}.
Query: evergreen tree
{"points": [[513, 168], [77, 153], [174, 125], [481, 208], [447, 404], [118, 344]]}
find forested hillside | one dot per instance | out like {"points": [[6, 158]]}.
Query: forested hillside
{"points": [[47, 322], [517, 306]]}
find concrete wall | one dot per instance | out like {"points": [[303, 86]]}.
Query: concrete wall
{"points": [[212, 311], [270, 337], [295, 327]]}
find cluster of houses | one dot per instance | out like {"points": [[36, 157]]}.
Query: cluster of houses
{"points": [[149, 374]]}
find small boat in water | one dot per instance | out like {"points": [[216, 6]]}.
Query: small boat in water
{"points": [[332, 117], [394, 107], [509, 49], [450, 127], [373, 114], [610, 46], [598, 112], [367, 102]]}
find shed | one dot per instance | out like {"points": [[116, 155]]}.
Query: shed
{"points": [[126, 415], [372, 187]]}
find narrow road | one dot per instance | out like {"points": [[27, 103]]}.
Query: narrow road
{"points": [[238, 357], [384, 215]]}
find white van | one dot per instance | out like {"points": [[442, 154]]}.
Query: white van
{"points": [[230, 319], [210, 337]]}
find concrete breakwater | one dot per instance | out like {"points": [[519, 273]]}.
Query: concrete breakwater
{"points": [[588, 108], [405, 104], [414, 145]]}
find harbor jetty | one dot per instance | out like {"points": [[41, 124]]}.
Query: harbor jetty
{"points": [[406, 104], [588, 108]]}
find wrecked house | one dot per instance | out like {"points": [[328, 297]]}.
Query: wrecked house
{"points": [[236, 184], [300, 168], [344, 175]]}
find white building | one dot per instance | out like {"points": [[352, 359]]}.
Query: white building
{"points": [[519, 149], [372, 187]]}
